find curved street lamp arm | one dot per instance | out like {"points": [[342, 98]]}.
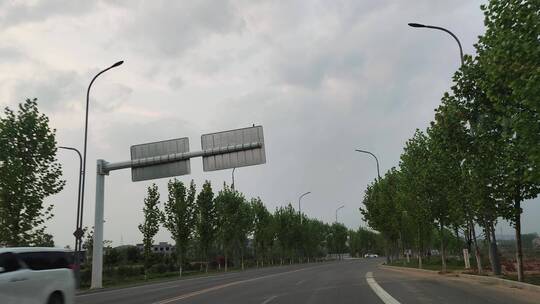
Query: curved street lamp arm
{"points": [[444, 30], [376, 160], [451, 34]]}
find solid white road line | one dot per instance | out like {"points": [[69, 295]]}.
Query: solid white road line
{"points": [[381, 293]]}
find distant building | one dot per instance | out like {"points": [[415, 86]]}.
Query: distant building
{"points": [[161, 248], [536, 243]]}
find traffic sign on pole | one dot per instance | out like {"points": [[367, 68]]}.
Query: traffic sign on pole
{"points": [[234, 159], [160, 149]]}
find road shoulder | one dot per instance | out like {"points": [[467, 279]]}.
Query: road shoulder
{"points": [[526, 295]]}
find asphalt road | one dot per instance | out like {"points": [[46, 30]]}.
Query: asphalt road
{"points": [[349, 281]]}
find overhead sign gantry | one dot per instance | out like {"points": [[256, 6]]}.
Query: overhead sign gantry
{"points": [[221, 150]]}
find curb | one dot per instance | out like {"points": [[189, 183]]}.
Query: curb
{"points": [[499, 281], [409, 269], [477, 278]]}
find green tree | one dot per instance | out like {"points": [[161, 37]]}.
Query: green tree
{"points": [[287, 225], [414, 193], [244, 228], [483, 155], [206, 220], [263, 230], [150, 227], [314, 234], [338, 238], [235, 220], [382, 210], [44, 240], [29, 174], [508, 57], [179, 217]]}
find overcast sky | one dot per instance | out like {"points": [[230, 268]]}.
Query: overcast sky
{"points": [[321, 77]]}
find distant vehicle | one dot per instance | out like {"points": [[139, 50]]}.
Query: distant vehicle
{"points": [[371, 255], [36, 275]]}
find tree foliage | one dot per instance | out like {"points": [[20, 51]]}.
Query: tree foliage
{"points": [[179, 216], [150, 227], [479, 159], [29, 174], [206, 219]]}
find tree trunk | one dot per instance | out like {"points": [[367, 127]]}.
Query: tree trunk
{"points": [[206, 261], [420, 248], [456, 232], [468, 239], [180, 265], [519, 249], [388, 259], [226, 262], [443, 255], [493, 252], [476, 249]]}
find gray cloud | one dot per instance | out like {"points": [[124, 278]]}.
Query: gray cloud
{"points": [[54, 89], [10, 54], [167, 29], [322, 77], [13, 13]]}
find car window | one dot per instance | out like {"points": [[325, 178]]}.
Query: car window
{"points": [[9, 262], [45, 260]]}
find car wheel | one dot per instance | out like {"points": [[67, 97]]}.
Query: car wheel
{"points": [[56, 298]]}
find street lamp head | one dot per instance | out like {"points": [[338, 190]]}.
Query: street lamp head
{"points": [[117, 64], [412, 24]]}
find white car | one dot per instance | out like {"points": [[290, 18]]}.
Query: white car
{"points": [[370, 255], [34, 275]]}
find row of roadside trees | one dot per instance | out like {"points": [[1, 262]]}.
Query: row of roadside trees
{"points": [[231, 226], [479, 159]]}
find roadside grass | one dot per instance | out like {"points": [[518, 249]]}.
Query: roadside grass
{"points": [[454, 265], [134, 280], [529, 278], [137, 280], [433, 263]]}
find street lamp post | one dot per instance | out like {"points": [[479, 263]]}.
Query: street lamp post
{"points": [[419, 25], [98, 234], [78, 225], [299, 206], [376, 160], [340, 207]]}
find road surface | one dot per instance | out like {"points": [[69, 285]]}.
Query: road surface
{"points": [[349, 281]]}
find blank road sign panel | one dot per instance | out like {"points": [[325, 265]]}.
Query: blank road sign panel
{"points": [[233, 159], [160, 148]]}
